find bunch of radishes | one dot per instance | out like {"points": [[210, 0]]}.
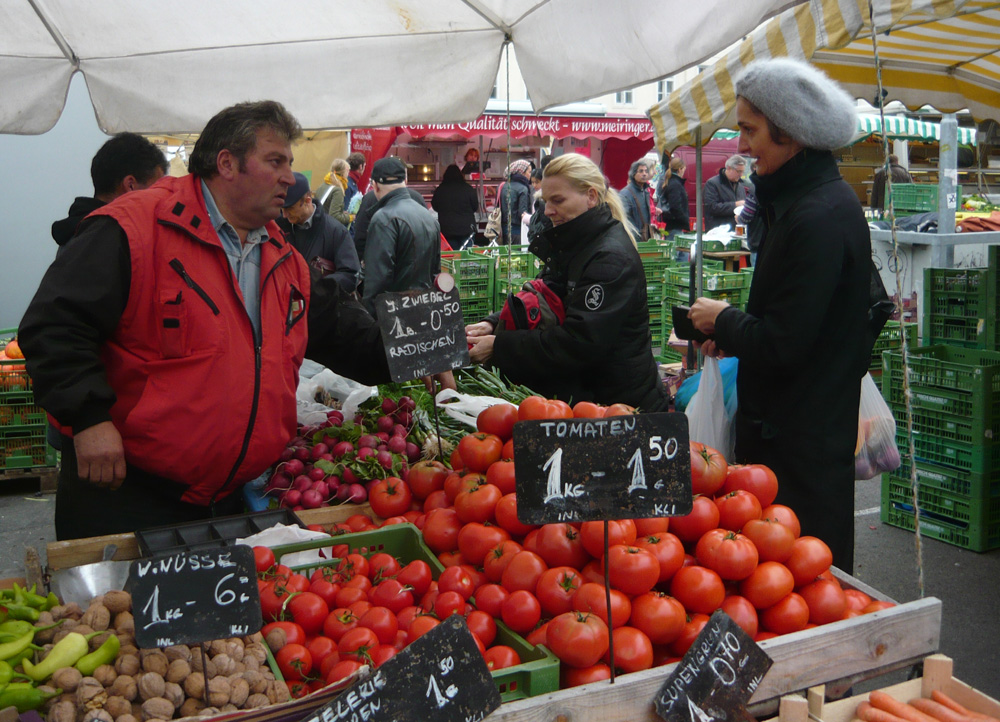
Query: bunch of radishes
{"points": [[336, 461]]}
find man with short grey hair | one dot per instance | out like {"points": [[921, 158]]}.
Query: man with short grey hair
{"points": [[725, 193], [635, 197]]}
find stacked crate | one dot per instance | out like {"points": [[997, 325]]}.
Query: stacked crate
{"points": [[955, 401], [474, 277], [22, 422], [656, 257], [732, 287], [514, 266], [961, 305], [891, 339], [918, 197]]}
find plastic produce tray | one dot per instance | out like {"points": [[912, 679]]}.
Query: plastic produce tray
{"points": [[538, 672], [220, 532]]}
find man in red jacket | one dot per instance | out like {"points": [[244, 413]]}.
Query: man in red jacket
{"points": [[165, 339]]}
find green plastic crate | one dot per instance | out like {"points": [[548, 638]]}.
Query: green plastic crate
{"points": [[466, 265], [967, 430], [538, 672], [24, 447], [918, 196], [978, 458], [711, 281], [891, 339], [965, 483], [19, 409], [972, 524]]}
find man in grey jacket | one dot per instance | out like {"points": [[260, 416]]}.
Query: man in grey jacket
{"points": [[725, 193], [403, 248]]}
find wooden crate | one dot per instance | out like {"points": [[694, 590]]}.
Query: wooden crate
{"points": [[937, 676], [847, 651], [46, 476]]}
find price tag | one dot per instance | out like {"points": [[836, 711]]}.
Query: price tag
{"points": [[440, 677], [423, 332], [193, 597], [717, 676], [621, 467]]}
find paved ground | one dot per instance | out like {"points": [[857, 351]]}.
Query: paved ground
{"points": [[968, 584]]}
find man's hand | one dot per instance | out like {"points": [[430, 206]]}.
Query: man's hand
{"points": [[100, 455], [710, 349], [703, 313], [482, 348], [483, 328], [446, 379]]}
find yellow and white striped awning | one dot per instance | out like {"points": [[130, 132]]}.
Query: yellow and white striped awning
{"points": [[942, 53]]}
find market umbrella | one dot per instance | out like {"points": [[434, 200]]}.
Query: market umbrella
{"points": [[167, 68], [898, 127], [942, 53]]}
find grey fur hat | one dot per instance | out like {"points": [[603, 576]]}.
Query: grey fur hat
{"points": [[801, 100]]}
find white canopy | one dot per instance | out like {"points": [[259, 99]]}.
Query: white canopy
{"points": [[168, 67]]}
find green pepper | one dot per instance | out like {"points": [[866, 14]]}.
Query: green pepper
{"points": [[25, 696], [50, 601], [23, 612], [17, 627], [28, 653], [105, 654], [6, 673], [66, 653], [11, 649], [28, 597]]}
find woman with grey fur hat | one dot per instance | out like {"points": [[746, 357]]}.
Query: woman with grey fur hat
{"points": [[802, 340]]}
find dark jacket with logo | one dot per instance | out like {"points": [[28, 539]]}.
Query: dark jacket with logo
{"points": [[326, 238], [403, 248], [602, 350], [801, 343], [720, 200]]}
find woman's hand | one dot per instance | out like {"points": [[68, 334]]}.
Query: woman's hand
{"points": [[704, 312], [709, 348], [483, 328], [481, 348]]}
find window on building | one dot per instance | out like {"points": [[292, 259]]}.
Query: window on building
{"points": [[623, 97], [493, 93], [663, 89]]}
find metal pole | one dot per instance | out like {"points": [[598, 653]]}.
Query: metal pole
{"points": [[694, 289], [943, 256]]}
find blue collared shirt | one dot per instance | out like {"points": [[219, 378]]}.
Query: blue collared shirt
{"points": [[243, 257]]}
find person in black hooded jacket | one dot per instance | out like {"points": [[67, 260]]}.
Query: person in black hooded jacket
{"points": [[672, 198], [456, 203], [127, 162], [514, 199], [602, 350]]}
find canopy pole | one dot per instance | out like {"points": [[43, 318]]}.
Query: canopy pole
{"points": [[694, 289], [943, 256]]}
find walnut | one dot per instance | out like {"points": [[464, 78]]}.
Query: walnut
{"points": [[191, 707], [178, 671], [256, 700], [124, 622], [117, 601], [157, 708], [178, 651], [151, 685], [124, 686], [224, 664], [219, 690], [117, 706], [62, 711], [90, 693], [46, 635], [97, 617], [155, 662], [217, 646], [239, 691], [194, 685], [106, 675], [67, 679], [174, 693], [127, 664], [126, 718], [97, 715]]}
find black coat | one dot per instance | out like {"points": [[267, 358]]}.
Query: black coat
{"points": [[673, 204], [802, 344], [719, 200], [602, 351], [326, 238], [514, 198], [456, 204], [367, 208], [82, 206]]}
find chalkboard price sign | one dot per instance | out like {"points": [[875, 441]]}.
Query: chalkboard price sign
{"points": [[423, 332], [717, 676], [612, 468], [193, 597], [440, 677]]}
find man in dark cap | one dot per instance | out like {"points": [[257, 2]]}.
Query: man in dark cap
{"points": [[323, 241], [403, 248]]}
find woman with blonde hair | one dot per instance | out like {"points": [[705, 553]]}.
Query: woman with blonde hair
{"points": [[672, 198], [331, 193], [601, 351]]}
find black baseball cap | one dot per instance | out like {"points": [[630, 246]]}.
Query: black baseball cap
{"points": [[389, 170]]}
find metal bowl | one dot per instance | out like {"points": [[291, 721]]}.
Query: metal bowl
{"points": [[83, 583]]}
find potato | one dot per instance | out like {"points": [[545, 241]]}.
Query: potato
{"points": [[97, 617], [157, 708], [106, 675], [124, 686], [117, 601], [128, 664], [239, 691], [178, 671], [62, 711], [219, 690], [67, 679], [117, 706], [256, 700], [194, 685]]}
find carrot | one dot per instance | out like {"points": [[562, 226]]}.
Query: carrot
{"points": [[939, 711], [947, 701], [888, 703], [868, 713]]}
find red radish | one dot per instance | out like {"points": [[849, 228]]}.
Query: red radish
{"points": [[388, 406], [332, 484], [384, 423], [406, 403], [322, 488], [316, 474], [404, 417], [318, 450], [412, 452], [292, 497], [348, 476], [382, 447], [335, 415], [358, 494], [397, 445], [301, 453], [365, 452], [294, 467], [308, 431], [384, 458], [382, 436], [326, 457], [280, 480], [359, 418], [399, 430], [342, 448], [344, 492], [368, 440], [311, 499], [286, 453], [302, 482]]}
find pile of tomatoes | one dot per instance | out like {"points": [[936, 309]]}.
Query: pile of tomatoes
{"points": [[736, 550]]}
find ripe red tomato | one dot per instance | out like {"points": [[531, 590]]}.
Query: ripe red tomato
{"points": [[758, 479], [357, 643], [619, 410], [535, 407], [810, 557], [742, 612], [436, 500], [338, 622], [297, 583], [426, 477], [790, 614], [561, 545], [309, 611], [383, 565], [737, 508], [353, 565], [489, 597], [578, 639], [456, 579], [523, 572], [667, 549], [500, 657], [498, 420], [556, 588], [574, 677], [591, 598], [457, 482], [341, 672], [478, 504], [692, 628], [391, 594], [651, 527], [769, 583], [703, 517], [441, 530], [783, 515], [698, 589], [620, 531], [325, 589], [389, 497], [732, 555], [826, 600], [501, 475], [272, 597], [383, 622], [632, 569], [659, 616], [294, 634], [263, 558], [708, 469], [772, 539], [476, 540], [479, 450], [856, 599], [877, 605], [521, 611], [294, 661], [587, 410], [382, 654], [320, 648], [448, 603], [506, 515], [482, 625], [632, 648], [416, 575]]}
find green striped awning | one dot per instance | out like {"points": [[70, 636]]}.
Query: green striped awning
{"points": [[897, 126]]}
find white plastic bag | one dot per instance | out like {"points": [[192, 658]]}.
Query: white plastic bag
{"points": [[350, 393], [710, 422], [291, 534], [876, 450], [465, 407]]}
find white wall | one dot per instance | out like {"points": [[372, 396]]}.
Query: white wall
{"points": [[41, 174]]}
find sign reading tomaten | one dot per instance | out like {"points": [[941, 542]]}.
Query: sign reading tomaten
{"points": [[611, 468]]}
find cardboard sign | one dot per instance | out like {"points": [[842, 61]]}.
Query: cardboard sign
{"points": [[620, 467], [194, 597], [717, 676], [441, 677], [423, 332]]}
